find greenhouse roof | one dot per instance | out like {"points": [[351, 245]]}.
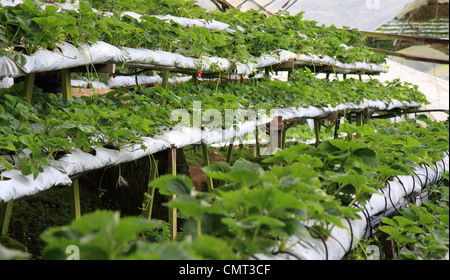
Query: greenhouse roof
{"points": [[361, 14]]}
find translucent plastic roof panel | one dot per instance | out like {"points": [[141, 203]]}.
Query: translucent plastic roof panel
{"points": [[365, 15]]}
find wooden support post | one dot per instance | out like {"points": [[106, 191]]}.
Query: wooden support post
{"points": [[230, 151], [5, 216], [276, 131], [165, 85], [148, 201], [207, 162], [195, 79], [257, 141], [165, 79], [283, 138], [75, 199], [388, 247], [336, 127], [172, 163], [359, 122], [267, 70], [65, 84], [28, 86], [360, 119], [279, 128], [317, 132]]}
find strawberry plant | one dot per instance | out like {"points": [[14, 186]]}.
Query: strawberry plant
{"points": [[421, 232]]}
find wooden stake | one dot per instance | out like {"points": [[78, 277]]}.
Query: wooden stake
{"points": [[172, 163], [75, 199], [207, 162], [195, 79], [28, 86], [153, 171], [388, 247], [257, 141], [5, 216], [165, 85], [317, 132], [336, 128], [359, 122], [65, 84], [230, 151]]}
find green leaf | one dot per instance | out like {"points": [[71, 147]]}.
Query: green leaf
{"points": [[444, 219], [180, 185], [27, 140], [5, 164], [368, 156], [266, 220], [392, 232]]}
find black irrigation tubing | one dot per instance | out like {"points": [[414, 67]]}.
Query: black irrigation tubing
{"points": [[323, 241], [413, 200], [426, 177], [388, 213], [390, 198], [343, 248], [403, 186], [351, 241], [131, 73], [385, 201], [288, 253], [368, 223]]}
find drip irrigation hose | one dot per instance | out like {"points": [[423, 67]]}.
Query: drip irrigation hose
{"points": [[323, 241], [367, 216], [426, 177], [368, 223], [421, 183], [288, 253], [351, 241], [385, 201], [413, 200], [343, 248], [403, 187], [390, 198]]}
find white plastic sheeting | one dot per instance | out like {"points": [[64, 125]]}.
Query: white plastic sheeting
{"points": [[68, 56], [341, 240], [65, 56], [6, 82]]}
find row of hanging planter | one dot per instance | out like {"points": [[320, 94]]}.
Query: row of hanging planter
{"points": [[50, 25]]}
